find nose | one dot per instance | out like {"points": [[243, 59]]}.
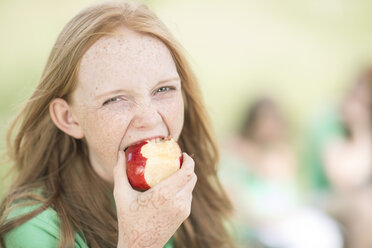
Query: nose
{"points": [[146, 116]]}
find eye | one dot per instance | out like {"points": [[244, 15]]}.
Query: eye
{"points": [[165, 89], [114, 99]]}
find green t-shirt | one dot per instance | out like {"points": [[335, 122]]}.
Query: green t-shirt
{"points": [[41, 231]]}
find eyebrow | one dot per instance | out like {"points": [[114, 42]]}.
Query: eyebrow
{"points": [[124, 91], [168, 80]]}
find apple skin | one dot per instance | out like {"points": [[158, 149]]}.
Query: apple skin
{"points": [[136, 166]]}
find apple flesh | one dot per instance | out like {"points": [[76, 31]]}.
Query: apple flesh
{"points": [[151, 161]]}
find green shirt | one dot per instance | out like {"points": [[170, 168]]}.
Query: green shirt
{"points": [[41, 231]]}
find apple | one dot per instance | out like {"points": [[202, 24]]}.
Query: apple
{"points": [[151, 161]]}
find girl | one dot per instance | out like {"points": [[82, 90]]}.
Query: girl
{"points": [[115, 76]]}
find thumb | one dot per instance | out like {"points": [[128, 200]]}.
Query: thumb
{"points": [[121, 183]]}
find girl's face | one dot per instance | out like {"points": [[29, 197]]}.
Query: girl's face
{"points": [[128, 90], [269, 126]]}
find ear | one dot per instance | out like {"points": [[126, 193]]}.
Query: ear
{"points": [[63, 118]]}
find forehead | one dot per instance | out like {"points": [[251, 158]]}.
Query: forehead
{"points": [[122, 58]]}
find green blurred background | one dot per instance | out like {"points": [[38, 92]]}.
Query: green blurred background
{"points": [[302, 52]]}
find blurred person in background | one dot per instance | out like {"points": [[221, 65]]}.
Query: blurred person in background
{"points": [[347, 162], [259, 170], [334, 127], [348, 159]]}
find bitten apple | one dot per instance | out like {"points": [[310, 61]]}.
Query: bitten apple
{"points": [[151, 161]]}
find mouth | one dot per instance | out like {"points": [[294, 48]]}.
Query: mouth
{"points": [[155, 139]]}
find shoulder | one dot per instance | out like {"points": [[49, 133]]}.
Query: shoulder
{"points": [[42, 230]]}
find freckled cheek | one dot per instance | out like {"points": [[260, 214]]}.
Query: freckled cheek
{"points": [[104, 132], [172, 111]]}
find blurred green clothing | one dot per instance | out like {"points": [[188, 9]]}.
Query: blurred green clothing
{"points": [[254, 197], [267, 198], [41, 231], [326, 127], [272, 212]]}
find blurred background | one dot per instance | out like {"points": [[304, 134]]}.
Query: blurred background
{"points": [[287, 85]]}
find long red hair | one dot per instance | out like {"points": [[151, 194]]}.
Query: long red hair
{"points": [[46, 158]]}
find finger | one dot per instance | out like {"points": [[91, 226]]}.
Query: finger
{"points": [[121, 183], [184, 198], [182, 176], [189, 186]]}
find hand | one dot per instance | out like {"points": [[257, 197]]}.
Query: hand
{"points": [[150, 218]]}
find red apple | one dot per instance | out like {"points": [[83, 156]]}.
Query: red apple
{"points": [[151, 161]]}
